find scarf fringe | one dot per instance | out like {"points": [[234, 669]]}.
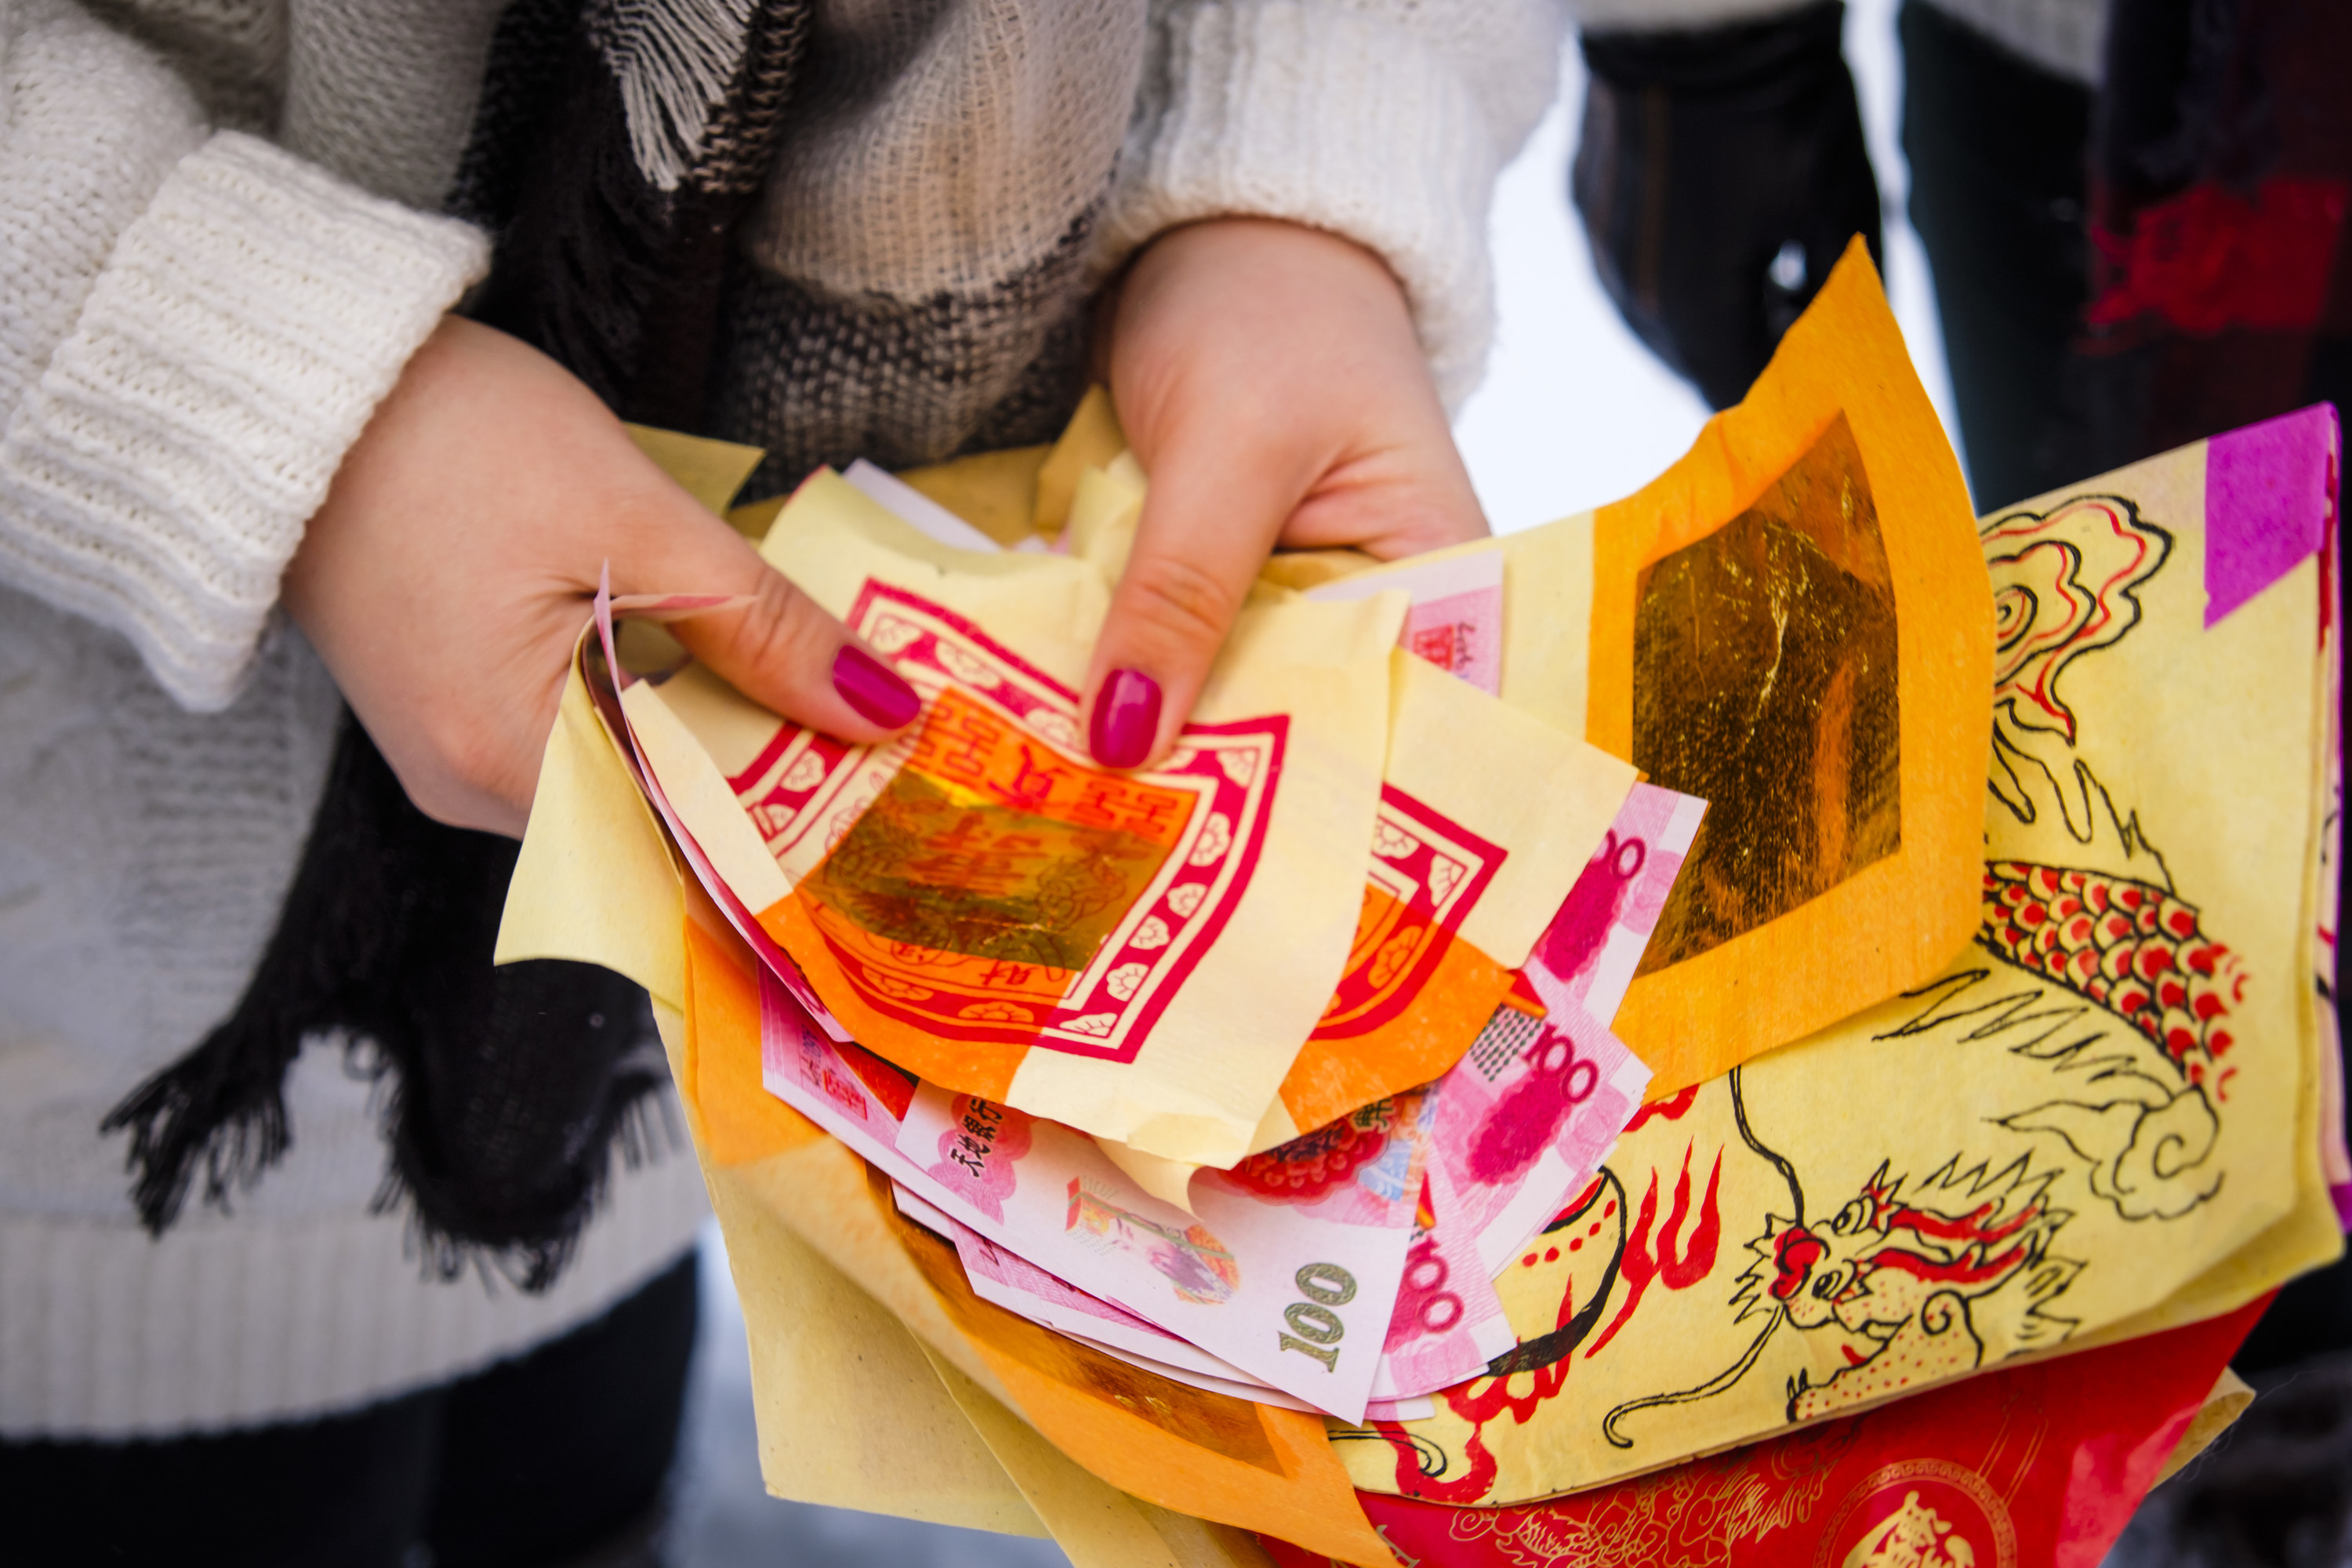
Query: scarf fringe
{"points": [[502, 1091], [222, 1105], [640, 1128]]}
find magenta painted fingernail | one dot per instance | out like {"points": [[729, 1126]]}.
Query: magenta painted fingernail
{"points": [[874, 688], [1127, 717]]}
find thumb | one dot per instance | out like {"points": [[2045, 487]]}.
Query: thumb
{"points": [[1204, 536], [779, 647]]}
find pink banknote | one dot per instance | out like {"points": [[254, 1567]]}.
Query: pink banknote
{"points": [[1528, 1114], [1022, 1288], [1523, 1121], [1589, 951], [1019, 1286], [1287, 1265], [1448, 1322], [1456, 619], [1288, 1268]]}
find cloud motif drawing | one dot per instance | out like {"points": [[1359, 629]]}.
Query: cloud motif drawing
{"points": [[2148, 1148], [2065, 583]]}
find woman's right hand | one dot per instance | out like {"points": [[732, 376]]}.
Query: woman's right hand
{"points": [[445, 579]]}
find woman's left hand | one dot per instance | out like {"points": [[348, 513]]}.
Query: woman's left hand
{"points": [[1271, 382]]}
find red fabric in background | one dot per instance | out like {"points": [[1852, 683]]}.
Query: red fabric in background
{"points": [[2034, 1466], [2211, 258]]}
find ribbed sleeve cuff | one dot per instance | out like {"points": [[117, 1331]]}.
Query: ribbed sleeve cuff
{"points": [[244, 329], [1341, 121]]}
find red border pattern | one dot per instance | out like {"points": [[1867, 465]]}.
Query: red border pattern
{"points": [[805, 792], [1438, 870]]}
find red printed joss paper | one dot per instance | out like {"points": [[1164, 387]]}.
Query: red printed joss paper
{"points": [[2041, 1463], [1140, 955]]}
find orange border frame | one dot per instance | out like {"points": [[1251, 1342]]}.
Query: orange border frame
{"points": [[1898, 922]]}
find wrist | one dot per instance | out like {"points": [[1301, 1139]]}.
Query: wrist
{"points": [[1237, 248]]}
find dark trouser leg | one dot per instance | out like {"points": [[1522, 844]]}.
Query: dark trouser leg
{"points": [[349, 1490], [1997, 150], [548, 1457], [540, 1460]]}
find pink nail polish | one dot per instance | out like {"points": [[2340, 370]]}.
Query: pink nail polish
{"points": [[874, 688], [1126, 719]]}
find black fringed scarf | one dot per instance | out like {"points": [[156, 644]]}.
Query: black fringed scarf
{"points": [[506, 1090]]}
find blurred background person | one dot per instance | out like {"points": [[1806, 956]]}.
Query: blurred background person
{"points": [[2132, 211], [2132, 208]]}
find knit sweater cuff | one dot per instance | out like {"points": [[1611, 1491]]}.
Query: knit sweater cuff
{"points": [[245, 328], [1333, 119]]}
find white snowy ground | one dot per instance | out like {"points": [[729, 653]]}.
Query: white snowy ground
{"points": [[1573, 413]]}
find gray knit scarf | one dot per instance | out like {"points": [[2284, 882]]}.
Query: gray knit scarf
{"points": [[617, 146]]}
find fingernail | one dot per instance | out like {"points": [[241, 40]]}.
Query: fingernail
{"points": [[874, 688], [1127, 717]]}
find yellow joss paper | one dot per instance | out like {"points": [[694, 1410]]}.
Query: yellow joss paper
{"points": [[1028, 492], [851, 1411], [1792, 624], [2102, 1118], [594, 882], [710, 471], [1136, 954], [1095, 1525]]}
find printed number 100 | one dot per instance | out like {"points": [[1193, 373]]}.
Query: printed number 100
{"points": [[1317, 1329]]}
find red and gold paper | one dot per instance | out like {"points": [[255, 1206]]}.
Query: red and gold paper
{"points": [[1136, 954], [1792, 624], [1141, 956]]}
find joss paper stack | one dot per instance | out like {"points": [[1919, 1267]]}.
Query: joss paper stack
{"points": [[1039, 995], [1753, 1256]]}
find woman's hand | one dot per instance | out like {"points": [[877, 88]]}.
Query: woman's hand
{"points": [[447, 576], [1270, 380]]}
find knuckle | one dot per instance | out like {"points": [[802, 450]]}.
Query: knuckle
{"points": [[478, 767], [470, 764], [772, 631], [1179, 599]]}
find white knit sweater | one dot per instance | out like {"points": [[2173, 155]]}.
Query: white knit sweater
{"points": [[217, 251]]}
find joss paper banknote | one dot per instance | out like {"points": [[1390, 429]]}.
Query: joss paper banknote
{"points": [[1524, 1120], [1589, 953], [1287, 1265], [1020, 1286], [1289, 1270], [1456, 619], [1449, 1323]]}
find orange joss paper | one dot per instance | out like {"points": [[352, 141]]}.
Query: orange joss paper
{"points": [[1794, 624]]}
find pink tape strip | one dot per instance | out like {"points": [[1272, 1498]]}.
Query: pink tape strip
{"points": [[2270, 497]]}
